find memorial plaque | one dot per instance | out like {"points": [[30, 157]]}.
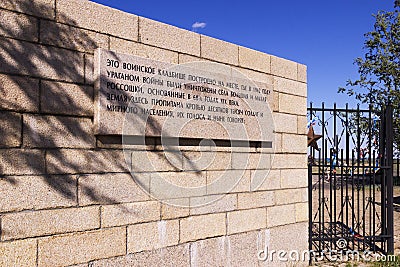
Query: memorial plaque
{"points": [[139, 96]]}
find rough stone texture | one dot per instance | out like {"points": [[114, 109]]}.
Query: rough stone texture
{"points": [[202, 226], [292, 104], [150, 161], [130, 213], [67, 99], [21, 161], [173, 212], [86, 14], [39, 8], [218, 50], [10, 129], [168, 37], [142, 50], [213, 204], [255, 60], [85, 161], [70, 37], [171, 185], [19, 253], [109, 189], [150, 236], [265, 180], [246, 220], [285, 123], [290, 87], [197, 161], [297, 161], [35, 60], [294, 143], [81, 247], [48, 222], [283, 68], [222, 182], [18, 26], [302, 125], [302, 73], [288, 196], [250, 161], [256, 199], [171, 256], [19, 94], [71, 132], [294, 178], [281, 215], [302, 212], [89, 69], [36, 192]]}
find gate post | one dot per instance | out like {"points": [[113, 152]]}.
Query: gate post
{"points": [[389, 175]]}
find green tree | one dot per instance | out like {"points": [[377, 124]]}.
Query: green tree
{"points": [[379, 69]]}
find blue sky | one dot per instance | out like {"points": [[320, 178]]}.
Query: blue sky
{"points": [[325, 35]]}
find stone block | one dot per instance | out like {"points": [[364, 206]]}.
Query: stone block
{"points": [[289, 161], [71, 132], [246, 220], [292, 104], [302, 212], [21, 161], [18, 26], [81, 247], [19, 93], [35, 60], [283, 68], [110, 188], [219, 50], [70, 37], [213, 204], [36, 192], [38, 8], [222, 182], [169, 37], [294, 178], [142, 50], [302, 125], [202, 226], [262, 180], [89, 69], [302, 73], [49, 222], [170, 185], [281, 215], [130, 213], [287, 86], [251, 161], [183, 58], [66, 98], [18, 253], [198, 161], [86, 161], [151, 161], [288, 196], [294, 143], [256, 199], [173, 212], [254, 60], [10, 129], [154, 235], [170, 256], [285, 123], [88, 15]]}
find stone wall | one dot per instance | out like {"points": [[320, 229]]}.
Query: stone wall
{"points": [[67, 196]]}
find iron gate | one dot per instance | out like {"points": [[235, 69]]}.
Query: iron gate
{"points": [[350, 180]]}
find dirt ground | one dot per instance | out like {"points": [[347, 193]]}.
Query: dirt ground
{"points": [[364, 202]]}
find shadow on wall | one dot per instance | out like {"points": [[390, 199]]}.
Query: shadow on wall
{"points": [[41, 73]]}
